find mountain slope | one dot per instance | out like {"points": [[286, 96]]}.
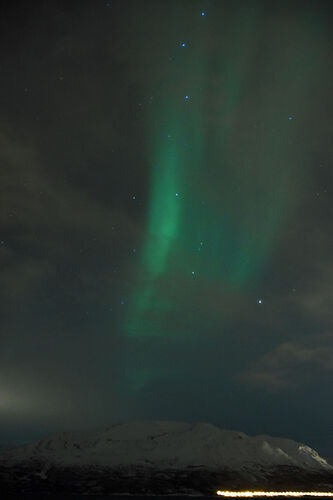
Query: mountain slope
{"points": [[167, 443], [160, 456]]}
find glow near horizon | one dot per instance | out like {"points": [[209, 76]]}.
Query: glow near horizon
{"points": [[274, 493]]}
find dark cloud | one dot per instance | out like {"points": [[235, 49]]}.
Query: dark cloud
{"points": [[289, 365]]}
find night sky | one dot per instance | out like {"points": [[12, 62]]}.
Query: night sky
{"points": [[166, 235]]}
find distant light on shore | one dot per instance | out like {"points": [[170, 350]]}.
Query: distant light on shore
{"points": [[274, 493]]}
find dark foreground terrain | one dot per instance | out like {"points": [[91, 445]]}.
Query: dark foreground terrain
{"points": [[37, 478]]}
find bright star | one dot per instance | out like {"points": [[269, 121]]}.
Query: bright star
{"points": [[203, 13], [193, 273], [186, 97], [259, 301], [177, 194], [183, 44]]}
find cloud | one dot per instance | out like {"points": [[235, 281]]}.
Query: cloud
{"points": [[305, 353], [58, 252], [286, 366], [45, 219]]}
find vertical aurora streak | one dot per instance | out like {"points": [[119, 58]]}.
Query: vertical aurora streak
{"points": [[221, 183]]}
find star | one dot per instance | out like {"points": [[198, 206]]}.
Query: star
{"points": [[177, 194], [183, 44], [259, 301], [186, 97], [203, 13]]}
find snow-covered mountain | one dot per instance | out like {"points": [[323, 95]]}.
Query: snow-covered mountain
{"points": [[160, 457], [164, 443]]}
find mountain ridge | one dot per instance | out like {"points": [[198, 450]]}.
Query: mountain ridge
{"points": [[161, 442], [160, 456]]}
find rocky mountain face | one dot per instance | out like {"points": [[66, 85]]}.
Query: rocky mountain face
{"points": [[157, 457]]}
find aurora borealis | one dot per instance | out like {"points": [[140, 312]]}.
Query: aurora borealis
{"points": [[202, 198], [166, 217]]}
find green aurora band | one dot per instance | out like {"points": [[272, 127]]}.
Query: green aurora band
{"points": [[222, 184]]}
